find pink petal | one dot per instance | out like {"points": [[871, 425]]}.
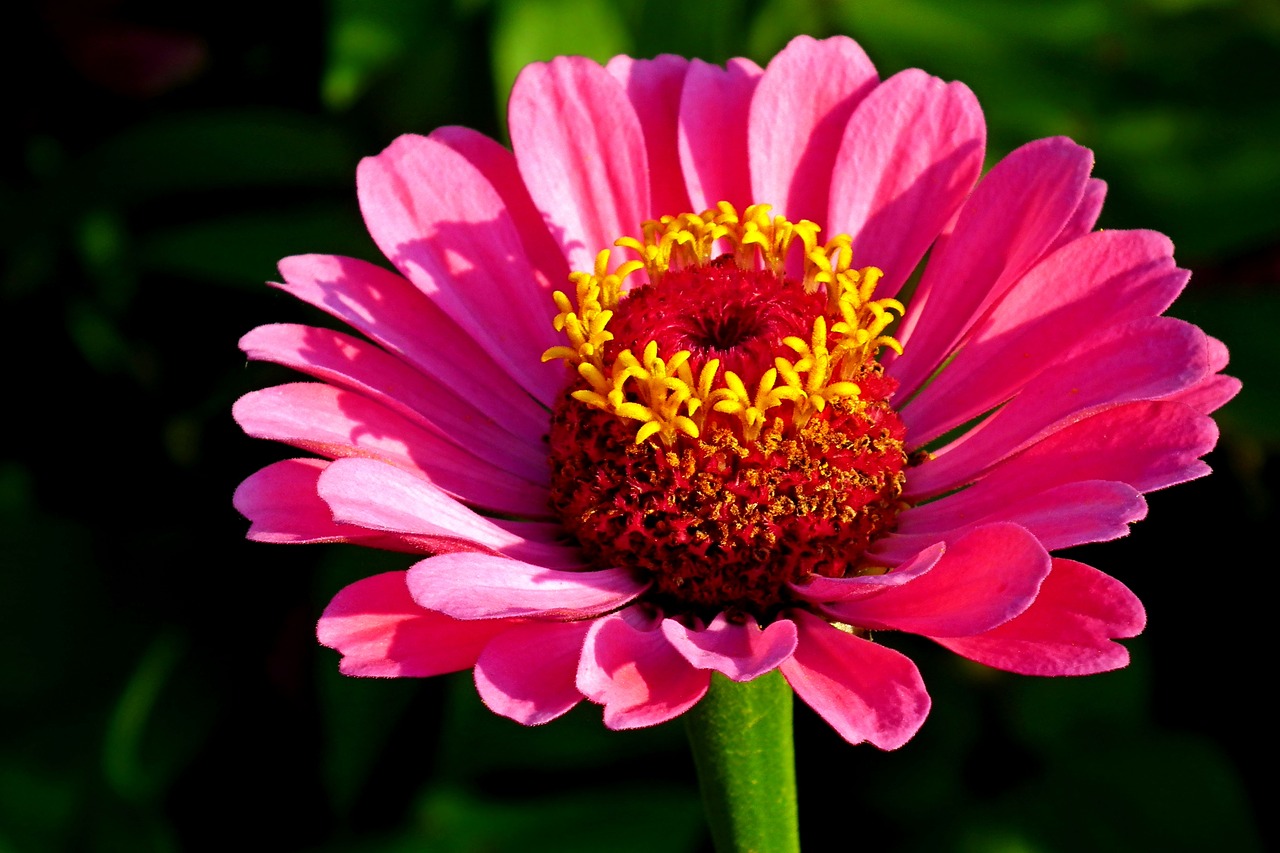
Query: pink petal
{"points": [[713, 132], [798, 118], [381, 632], [529, 672], [636, 674], [654, 87], [336, 423], [362, 367], [1149, 445], [498, 165], [1060, 517], [822, 590], [1210, 394], [284, 507], [865, 691], [394, 313], [1014, 215], [986, 577], [1085, 217], [446, 228], [1049, 314], [1068, 631], [1144, 360], [377, 496], [581, 152], [910, 156], [740, 651], [482, 586]]}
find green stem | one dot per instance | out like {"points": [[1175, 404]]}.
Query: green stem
{"points": [[743, 747]]}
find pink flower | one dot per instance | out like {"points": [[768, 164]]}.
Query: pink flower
{"points": [[749, 463]]}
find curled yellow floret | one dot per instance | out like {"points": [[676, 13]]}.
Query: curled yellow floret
{"points": [[660, 390]]}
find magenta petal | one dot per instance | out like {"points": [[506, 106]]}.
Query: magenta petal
{"points": [[910, 156], [797, 121], [1039, 321], [441, 222], [1149, 445], [740, 651], [362, 367], [336, 423], [381, 632], [498, 165], [529, 672], [1085, 217], [1210, 394], [864, 690], [1144, 360], [1068, 631], [820, 590], [1013, 216], [636, 674], [482, 586], [581, 152], [654, 87], [377, 496], [1060, 517], [713, 132], [985, 578], [391, 311], [283, 506]]}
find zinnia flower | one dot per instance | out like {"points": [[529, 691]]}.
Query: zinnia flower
{"points": [[668, 390]]}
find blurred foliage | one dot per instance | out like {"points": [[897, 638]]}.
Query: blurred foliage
{"points": [[162, 689]]}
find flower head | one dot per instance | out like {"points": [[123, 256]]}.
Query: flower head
{"points": [[650, 395]]}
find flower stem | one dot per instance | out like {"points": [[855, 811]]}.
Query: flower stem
{"points": [[742, 744]]}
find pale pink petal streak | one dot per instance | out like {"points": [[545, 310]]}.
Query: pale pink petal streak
{"points": [[336, 423], [1056, 310], [1060, 517], [1144, 360], [1069, 630], [443, 225], [498, 165], [632, 669], [910, 156], [389, 310], [740, 650], [362, 367], [529, 672], [713, 132], [581, 151], [483, 586], [1148, 445], [1085, 217], [654, 87], [284, 507], [797, 121], [1212, 392], [865, 691], [378, 496], [381, 632], [1013, 216]]}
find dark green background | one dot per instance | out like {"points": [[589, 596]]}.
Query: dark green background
{"points": [[161, 687]]}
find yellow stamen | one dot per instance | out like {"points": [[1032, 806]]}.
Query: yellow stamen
{"points": [[663, 394]]}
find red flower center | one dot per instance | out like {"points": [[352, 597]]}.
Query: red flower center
{"points": [[725, 495]]}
